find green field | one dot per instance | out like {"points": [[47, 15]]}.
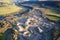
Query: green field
{"points": [[10, 9]]}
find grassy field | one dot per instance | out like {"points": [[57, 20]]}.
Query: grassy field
{"points": [[53, 12], [53, 18], [9, 9], [53, 15], [2, 36], [8, 1]]}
